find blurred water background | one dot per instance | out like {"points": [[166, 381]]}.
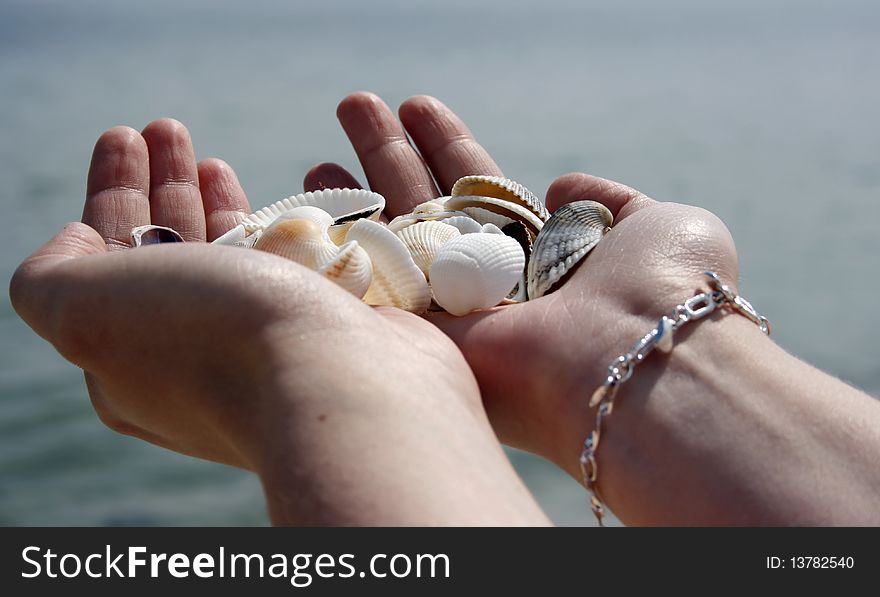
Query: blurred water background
{"points": [[764, 112]]}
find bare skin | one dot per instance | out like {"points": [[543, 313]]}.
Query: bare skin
{"points": [[349, 415], [728, 429]]}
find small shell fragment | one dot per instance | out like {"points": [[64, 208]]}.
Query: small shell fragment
{"points": [[572, 231], [151, 234]]}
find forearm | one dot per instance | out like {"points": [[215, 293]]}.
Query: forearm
{"points": [[730, 429], [411, 465], [412, 452]]}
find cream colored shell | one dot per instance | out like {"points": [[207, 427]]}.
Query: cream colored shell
{"points": [[343, 205], [301, 236]]}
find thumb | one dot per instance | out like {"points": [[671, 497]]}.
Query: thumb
{"points": [[34, 290]]}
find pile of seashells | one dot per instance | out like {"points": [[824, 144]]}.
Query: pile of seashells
{"points": [[490, 242]]}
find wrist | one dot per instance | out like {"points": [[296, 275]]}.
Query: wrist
{"points": [[671, 429]]}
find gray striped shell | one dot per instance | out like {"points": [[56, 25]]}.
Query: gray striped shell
{"points": [[570, 233]]}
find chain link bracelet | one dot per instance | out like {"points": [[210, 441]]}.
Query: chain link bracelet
{"points": [[621, 369]]}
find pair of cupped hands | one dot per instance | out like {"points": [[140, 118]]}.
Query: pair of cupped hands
{"points": [[246, 358]]}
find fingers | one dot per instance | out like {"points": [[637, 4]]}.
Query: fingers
{"points": [[619, 198], [329, 176], [175, 200], [224, 201], [444, 141], [34, 293], [392, 166], [117, 194]]}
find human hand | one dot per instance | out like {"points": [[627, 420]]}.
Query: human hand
{"points": [[246, 358], [537, 363]]}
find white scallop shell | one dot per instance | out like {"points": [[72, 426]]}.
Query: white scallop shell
{"points": [[486, 210], [484, 216], [343, 205], [351, 269], [429, 207], [404, 220], [491, 229], [475, 271], [424, 239], [464, 223], [397, 281], [301, 235], [500, 188], [572, 231]]}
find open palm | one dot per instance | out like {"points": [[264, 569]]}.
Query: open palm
{"points": [[537, 363], [250, 359]]}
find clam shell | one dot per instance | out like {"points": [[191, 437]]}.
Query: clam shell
{"points": [[299, 240], [337, 232], [301, 235], [429, 212], [424, 239], [464, 223], [397, 281], [475, 271], [351, 269], [150, 234], [486, 210], [500, 188], [429, 207], [518, 232], [572, 231], [343, 205]]}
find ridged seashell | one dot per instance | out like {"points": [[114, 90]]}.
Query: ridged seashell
{"points": [[475, 271], [500, 188], [428, 213], [486, 209], [351, 269], [491, 229], [397, 281], [424, 239], [572, 231], [465, 224], [301, 235], [428, 207], [517, 231], [343, 205]]}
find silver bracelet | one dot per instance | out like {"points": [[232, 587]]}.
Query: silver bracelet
{"points": [[621, 369]]}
